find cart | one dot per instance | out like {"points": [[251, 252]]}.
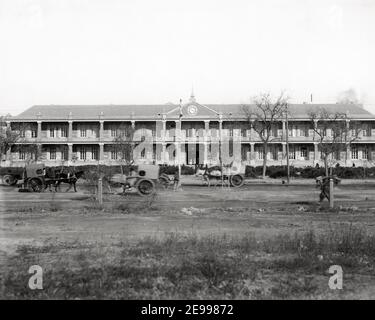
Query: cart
{"points": [[232, 175], [33, 178], [143, 179]]}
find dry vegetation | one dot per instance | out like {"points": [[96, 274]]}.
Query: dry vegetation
{"points": [[187, 266]]}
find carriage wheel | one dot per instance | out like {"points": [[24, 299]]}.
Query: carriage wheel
{"points": [[237, 180], [35, 185], [145, 187], [9, 180]]}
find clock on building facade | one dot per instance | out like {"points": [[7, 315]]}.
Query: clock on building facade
{"points": [[192, 110]]}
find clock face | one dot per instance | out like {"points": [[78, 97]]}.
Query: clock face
{"points": [[192, 110]]}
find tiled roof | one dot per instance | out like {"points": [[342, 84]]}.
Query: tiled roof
{"points": [[172, 111]]}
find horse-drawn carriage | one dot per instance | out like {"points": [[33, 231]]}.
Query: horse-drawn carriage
{"points": [[36, 178], [143, 179], [232, 175]]}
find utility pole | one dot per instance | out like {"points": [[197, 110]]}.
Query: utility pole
{"points": [[178, 134], [287, 145], [220, 150]]}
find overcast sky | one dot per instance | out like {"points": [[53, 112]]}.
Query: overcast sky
{"points": [[153, 52]]}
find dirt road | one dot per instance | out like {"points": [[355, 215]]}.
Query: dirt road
{"points": [[264, 210]]}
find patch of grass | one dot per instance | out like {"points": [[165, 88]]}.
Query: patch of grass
{"points": [[186, 266]]}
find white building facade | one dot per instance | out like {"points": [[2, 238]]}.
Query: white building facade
{"points": [[78, 135]]}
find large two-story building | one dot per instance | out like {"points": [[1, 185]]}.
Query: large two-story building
{"points": [[76, 135]]}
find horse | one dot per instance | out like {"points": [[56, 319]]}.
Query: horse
{"points": [[207, 176], [70, 179]]}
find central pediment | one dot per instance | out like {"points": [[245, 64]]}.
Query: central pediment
{"points": [[192, 110]]}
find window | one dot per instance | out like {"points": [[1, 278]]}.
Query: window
{"points": [[260, 153], [64, 132], [275, 131], [52, 153], [82, 153], [189, 133], [366, 132], [303, 152], [354, 153], [143, 153], [33, 133], [292, 153], [114, 154], [52, 132], [65, 153], [22, 155], [94, 153], [113, 132], [365, 154], [322, 132], [274, 153], [83, 132], [305, 131]]}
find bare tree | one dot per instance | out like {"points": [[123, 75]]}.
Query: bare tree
{"points": [[333, 135], [32, 150], [124, 145], [8, 137], [264, 116]]}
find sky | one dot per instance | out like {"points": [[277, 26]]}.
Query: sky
{"points": [[155, 52]]}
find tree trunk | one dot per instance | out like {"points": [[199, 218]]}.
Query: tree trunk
{"points": [[326, 165], [265, 145]]}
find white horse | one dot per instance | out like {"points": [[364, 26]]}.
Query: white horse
{"points": [[208, 176]]}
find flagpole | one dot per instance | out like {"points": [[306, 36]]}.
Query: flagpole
{"points": [[287, 145]]}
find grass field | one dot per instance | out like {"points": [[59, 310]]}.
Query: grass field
{"points": [[179, 266], [195, 244]]}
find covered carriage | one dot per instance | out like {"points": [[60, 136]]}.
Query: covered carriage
{"points": [[143, 179]]}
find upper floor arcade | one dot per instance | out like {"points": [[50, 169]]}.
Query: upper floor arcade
{"points": [[167, 123]]}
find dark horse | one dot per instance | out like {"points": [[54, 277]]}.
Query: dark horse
{"points": [[70, 179]]}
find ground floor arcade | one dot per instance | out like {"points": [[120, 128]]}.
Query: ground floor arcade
{"points": [[300, 154]]}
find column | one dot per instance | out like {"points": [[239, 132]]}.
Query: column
{"points": [[70, 151], [178, 141], [101, 130], [284, 129], [315, 127], [39, 130], [285, 155], [207, 127], [164, 132], [348, 155], [220, 129], [252, 153], [133, 124], [163, 153], [70, 129], [101, 151]]}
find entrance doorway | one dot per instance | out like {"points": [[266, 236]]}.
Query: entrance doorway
{"points": [[194, 153]]}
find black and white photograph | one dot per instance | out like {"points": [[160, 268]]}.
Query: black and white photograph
{"points": [[204, 151]]}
